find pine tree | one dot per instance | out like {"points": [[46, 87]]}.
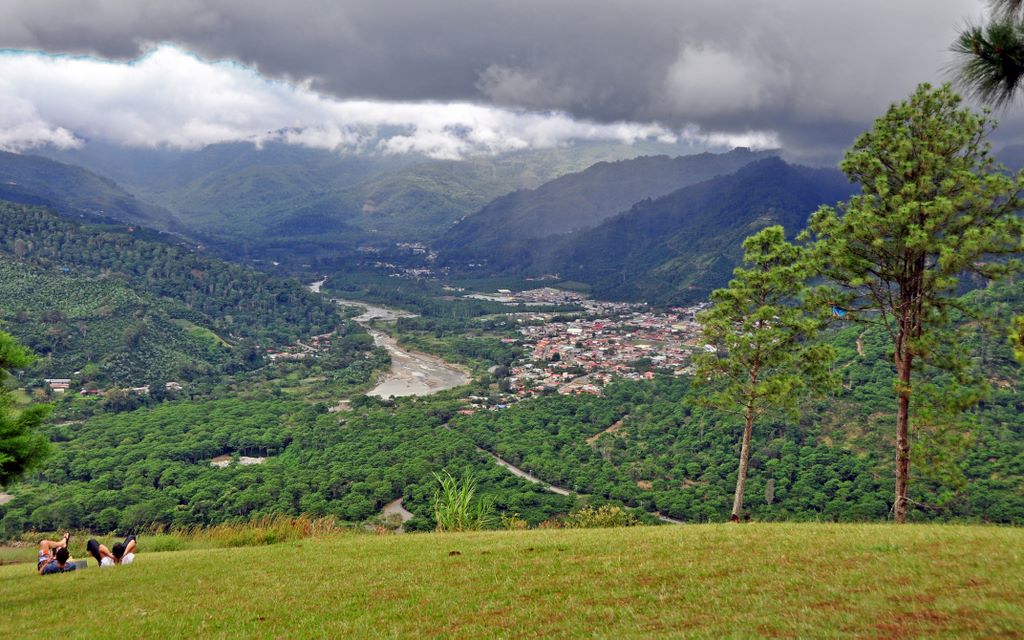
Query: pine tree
{"points": [[765, 355], [21, 446], [933, 207], [1017, 338], [990, 57]]}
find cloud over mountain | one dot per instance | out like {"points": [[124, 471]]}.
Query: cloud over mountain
{"points": [[814, 72], [171, 97]]}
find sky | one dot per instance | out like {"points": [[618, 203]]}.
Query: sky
{"points": [[455, 78]]}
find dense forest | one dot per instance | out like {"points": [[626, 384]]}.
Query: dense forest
{"points": [[126, 306], [153, 466]]}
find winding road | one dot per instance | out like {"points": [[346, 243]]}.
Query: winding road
{"points": [[562, 491], [519, 473]]}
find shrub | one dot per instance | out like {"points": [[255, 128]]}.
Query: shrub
{"points": [[606, 515], [513, 522]]}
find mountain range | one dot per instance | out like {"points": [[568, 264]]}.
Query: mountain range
{"points": [[582, 200], [243, 191], [672, 249], [657, 228]]}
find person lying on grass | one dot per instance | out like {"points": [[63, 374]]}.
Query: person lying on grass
{"points": [[54, 556], [122, 553]]}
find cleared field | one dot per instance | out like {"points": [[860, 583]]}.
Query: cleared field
{"points": [[774, 580]]}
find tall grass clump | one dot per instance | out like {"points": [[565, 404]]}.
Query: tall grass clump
{"points": [[455, 508]]}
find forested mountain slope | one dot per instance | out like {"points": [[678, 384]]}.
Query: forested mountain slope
{"points": [[679, 248], [74, 191], [581, 200], [121, 308], [675, 249]]}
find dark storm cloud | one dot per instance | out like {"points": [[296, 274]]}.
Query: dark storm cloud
{"points": [[814, 71]]}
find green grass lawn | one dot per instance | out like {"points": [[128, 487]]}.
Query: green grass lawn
{"points": [[776, 580]]}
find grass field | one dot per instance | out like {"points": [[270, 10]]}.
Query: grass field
{"points": [[751, 580]]}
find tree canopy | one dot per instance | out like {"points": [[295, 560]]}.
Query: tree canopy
{"points": [[764, 357], [934, 209]]}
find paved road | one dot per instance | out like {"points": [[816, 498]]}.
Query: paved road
{"points": [[562, 491], [516, 471]]}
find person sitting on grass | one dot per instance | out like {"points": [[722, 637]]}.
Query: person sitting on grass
{"points": [[122, 553], [54, 556]]}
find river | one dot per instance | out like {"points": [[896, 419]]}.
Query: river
{"points": [[374, 312], [412, 373]]}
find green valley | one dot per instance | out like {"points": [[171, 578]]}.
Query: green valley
{"points": [[511, 320]]}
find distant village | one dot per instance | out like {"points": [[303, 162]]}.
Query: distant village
{"points": [[61, 386], [610, 340], [583, 355], [562, 353]]}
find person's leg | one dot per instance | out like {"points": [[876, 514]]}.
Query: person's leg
{"points": [[44, 554], [45, 546], [49, 546], [92, 547], [129, 545]]}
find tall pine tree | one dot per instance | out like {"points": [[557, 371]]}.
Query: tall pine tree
{"points": [[765, 355], [933, 208]]}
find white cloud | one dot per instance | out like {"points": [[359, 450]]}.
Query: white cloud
{"points": [[170, 97], [22, 128]]}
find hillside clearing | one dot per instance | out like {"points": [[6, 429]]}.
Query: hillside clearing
{"points": [[788, 580]]}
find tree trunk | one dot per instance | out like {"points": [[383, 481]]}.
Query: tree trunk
{"points": [[902, 442], [741, 476]]}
